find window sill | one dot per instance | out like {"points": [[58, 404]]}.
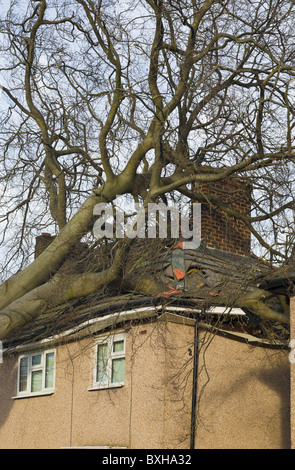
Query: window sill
{"points": [[32, 395], [105, 387]]}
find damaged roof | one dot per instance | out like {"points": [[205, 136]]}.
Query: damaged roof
{"points": [[200, 284]]}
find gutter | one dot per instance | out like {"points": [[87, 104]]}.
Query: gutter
{"points": [[97, 324], [88, 327]]}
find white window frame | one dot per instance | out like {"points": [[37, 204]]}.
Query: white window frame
{"points": [[109, 341], [31, 368]]}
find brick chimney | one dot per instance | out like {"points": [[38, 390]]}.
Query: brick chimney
{"points": [[219, 230], [42, 242]]}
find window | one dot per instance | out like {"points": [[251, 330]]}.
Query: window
{"points": [[36, 373], [109, 368]]}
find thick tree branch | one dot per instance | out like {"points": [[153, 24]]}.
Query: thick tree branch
{"points": [[59, 289]]}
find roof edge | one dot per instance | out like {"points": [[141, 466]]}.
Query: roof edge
{"points": [[97, 324]]}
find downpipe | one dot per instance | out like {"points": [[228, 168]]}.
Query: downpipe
{"points": [[195, 386]]}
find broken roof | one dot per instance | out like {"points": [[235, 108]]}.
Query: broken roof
{"points": [[208, 287]]}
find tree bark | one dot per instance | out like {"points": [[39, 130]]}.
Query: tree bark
{"points": [[58, 290]]}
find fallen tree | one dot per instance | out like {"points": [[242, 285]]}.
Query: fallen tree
{"points": [[151, 100]]}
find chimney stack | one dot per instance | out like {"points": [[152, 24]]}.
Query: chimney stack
{"points": [[220, 230]]}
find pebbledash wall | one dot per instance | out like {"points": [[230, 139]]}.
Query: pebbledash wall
{"points": [[243, 395]]}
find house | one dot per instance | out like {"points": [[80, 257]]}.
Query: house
{"points": [[166, 371]]}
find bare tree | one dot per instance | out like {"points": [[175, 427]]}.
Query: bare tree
{"points": [[150, 97]]}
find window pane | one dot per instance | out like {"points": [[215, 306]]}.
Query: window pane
{"points": [[49, 371], [23, 374], [118, 346], [102, 360], [36, 360], [36, 385], [118, 370]]}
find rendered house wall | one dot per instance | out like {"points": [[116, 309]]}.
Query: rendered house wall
{"points": [[246, 402], [243, 396], [135, 415]]}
